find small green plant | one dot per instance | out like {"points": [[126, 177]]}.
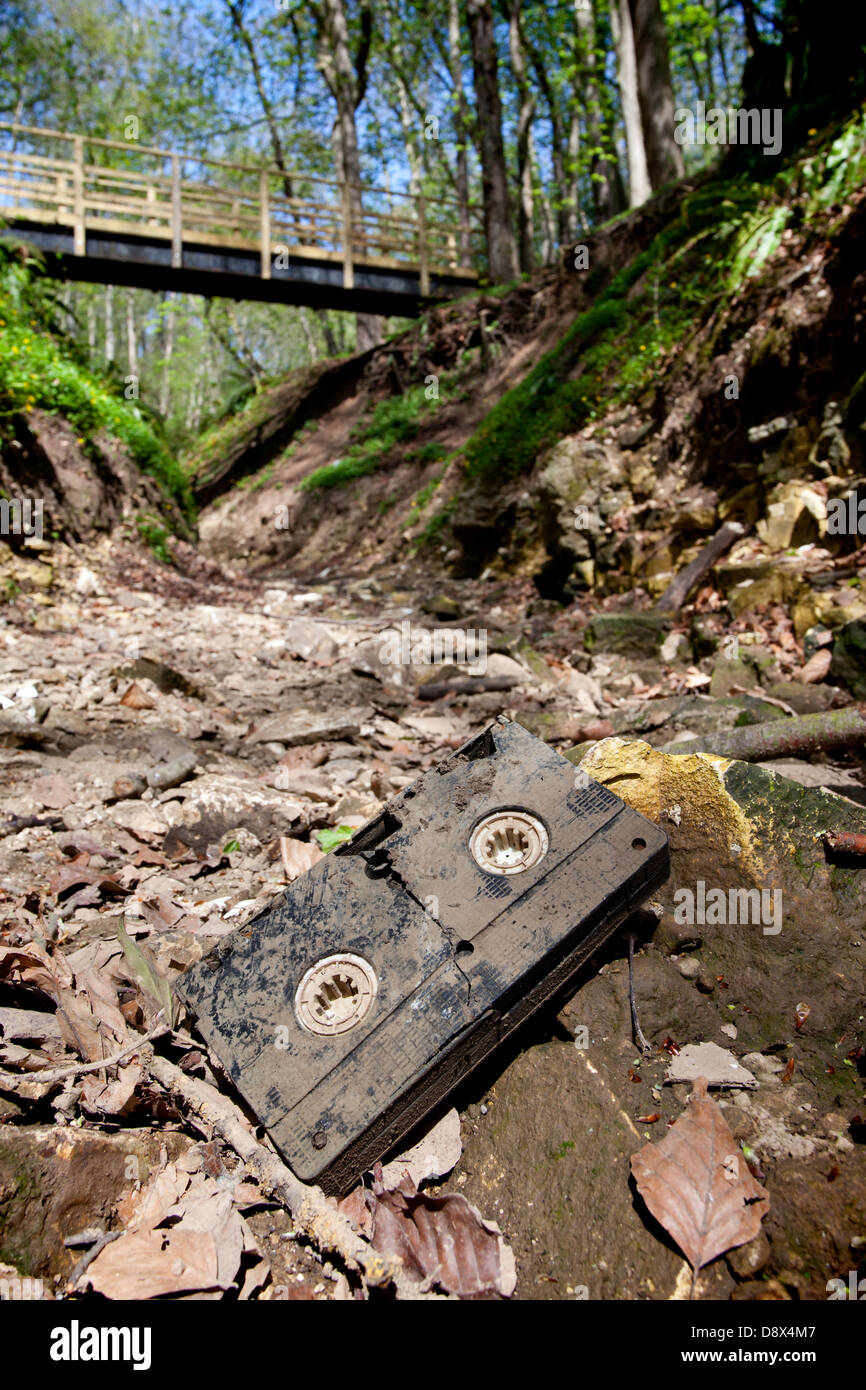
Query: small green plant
{"points": [[329, 839], [155, 537], [231, 847], [393, 421]]}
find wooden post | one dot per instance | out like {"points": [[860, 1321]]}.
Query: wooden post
{"points": [[78, 234], [348, 238], [176, 216], [265, 215], [423, 258]]}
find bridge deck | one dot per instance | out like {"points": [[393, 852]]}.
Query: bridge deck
{"points": [[316, 241]]}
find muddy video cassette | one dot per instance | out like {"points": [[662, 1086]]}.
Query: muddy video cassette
{"points": [[350, 1007]]}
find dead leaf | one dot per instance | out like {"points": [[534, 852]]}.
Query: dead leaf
{"points": [[816, 667], [112, 1097], [136, 698], [199, 1252], [432, 1157], [441, 1239], [298, 857], [697, 1183]]}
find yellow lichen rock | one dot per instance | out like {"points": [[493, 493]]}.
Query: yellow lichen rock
{"points": [[686, 791]]}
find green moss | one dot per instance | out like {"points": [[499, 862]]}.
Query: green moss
{"points": [[393, 421], [154, 535], [39, 370]]}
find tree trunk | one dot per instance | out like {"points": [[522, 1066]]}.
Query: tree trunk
{"points": [[131, 345], [639, 188], [346, 83], [332, 347], [608, 194], [109, 324], [526, 111], [309, 336], [461, 133], [548, 231], [655, 96], [501, 247], [168, 349]]}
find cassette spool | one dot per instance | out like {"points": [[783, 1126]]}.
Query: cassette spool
{"points": [[370, 988]]}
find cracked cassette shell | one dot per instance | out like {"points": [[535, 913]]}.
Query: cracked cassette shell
{"points": [[352, 1006]]}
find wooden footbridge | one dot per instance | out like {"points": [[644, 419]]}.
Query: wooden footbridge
{"points": [[122, 213]]}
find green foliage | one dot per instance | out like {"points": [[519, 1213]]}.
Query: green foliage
{"points": [[39, 368], [436, 525], [154, 535], [329, 839], [721, 236], [393, 421]]}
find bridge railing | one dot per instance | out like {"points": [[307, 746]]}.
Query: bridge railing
{"points": [[90, 184]]}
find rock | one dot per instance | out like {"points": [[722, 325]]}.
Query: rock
{"points": [[848, 663], [584, 690], [164, 677], [171, 774], [796, 515], [75, 1177], [839, 780], [308, 726], [719, 1066], [54, 790], [688, 967], [86, 582], [441, 606], [559, 726], [675, 648], [216, 805], [790, 927], [729, 672], [749, 1259], [761, 1291], [309, 640], [630, 634], [139, 819]]}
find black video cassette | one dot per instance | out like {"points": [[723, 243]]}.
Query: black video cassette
{"points": [[349, 1008]]}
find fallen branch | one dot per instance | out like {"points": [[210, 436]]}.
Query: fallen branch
{"points": [[845, 842], [636, 1028], [78, 1068], [312, 1213], [812, 733], [464, 685], [16, 823], [679, 589], [104, 1238]]}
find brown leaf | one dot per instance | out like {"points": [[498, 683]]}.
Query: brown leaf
{"points": [[442, 1239], [136, 698], [816, 667], [697, 1184], [297, 857], [200, 1252]]}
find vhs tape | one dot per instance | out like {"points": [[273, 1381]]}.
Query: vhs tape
{"points": [[355, 1003]]}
